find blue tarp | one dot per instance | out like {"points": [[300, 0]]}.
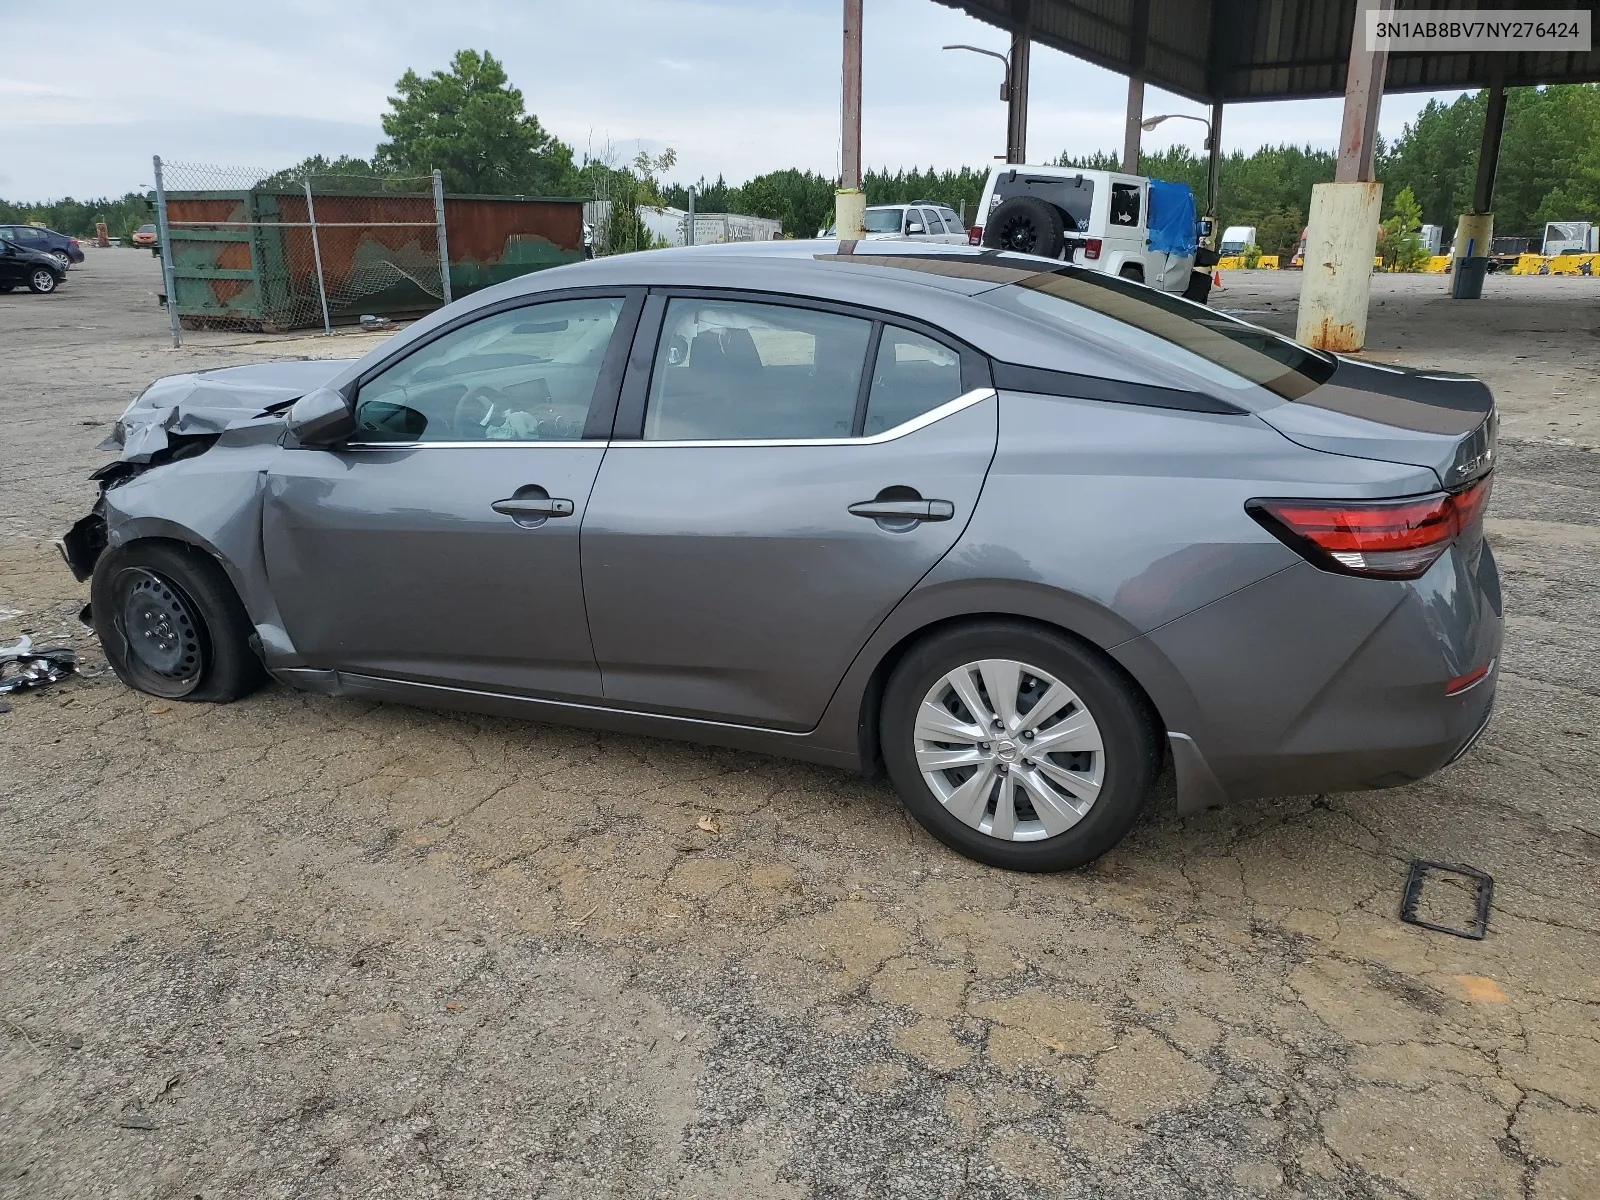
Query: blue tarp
{"points": [[1172, 221]]}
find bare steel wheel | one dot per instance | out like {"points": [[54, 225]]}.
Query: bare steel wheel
{"points": [[166, 641], [171, 624], [1018, 745], [1010, 750]]}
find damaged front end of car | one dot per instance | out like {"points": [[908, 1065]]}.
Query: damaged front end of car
{"points": [[180, 418]]}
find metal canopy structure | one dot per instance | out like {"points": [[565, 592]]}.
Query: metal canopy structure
{"points": [[1224, 51]]}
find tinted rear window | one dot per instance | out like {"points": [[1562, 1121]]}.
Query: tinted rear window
{"points": [[1073, 194], [1220, 350]]}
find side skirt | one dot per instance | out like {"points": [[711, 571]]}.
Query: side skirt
{"points": [[563, 712]]}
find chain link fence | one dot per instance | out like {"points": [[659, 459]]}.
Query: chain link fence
{"points": [[259, 251]]}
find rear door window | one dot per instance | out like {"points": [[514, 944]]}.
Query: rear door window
{"points": [[912, 375], [740, 371]]}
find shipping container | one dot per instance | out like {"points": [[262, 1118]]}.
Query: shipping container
{"points": [[245, 259]]}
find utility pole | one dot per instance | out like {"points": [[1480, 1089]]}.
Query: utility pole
{"points": [[850, 202]]}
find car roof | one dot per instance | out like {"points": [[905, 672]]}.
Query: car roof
{"points": [[814, 267]]}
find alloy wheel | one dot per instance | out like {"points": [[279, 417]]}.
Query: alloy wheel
{"points": [[44, 281], [165, 639], [1009, 750], [61, 257], [1019, 234]]}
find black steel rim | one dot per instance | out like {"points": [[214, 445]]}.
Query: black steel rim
{"points": [[1019, 234], [165, 645]]}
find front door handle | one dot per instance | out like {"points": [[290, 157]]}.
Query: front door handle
{"points": [[547, 506], [904, 510], [532, 506]]}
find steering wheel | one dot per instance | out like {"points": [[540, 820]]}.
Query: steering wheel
{"points": [[472, 408]]}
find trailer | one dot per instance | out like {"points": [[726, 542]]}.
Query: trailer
{"points": [[713, 228], [1570, 237]]}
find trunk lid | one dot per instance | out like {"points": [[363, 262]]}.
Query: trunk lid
{"points": [[1432, 419]]}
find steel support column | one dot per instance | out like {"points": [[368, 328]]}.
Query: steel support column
{"points": [[1363, 95], [1494, 121], [1138, 36], [1342, 230], [849, 202], [1214, 167], [1017, 82]]}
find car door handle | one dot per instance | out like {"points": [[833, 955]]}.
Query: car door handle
{"points": [[533, 506], [904, 510]]}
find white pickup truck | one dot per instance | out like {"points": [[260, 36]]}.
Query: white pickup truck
{"points": [[1125, 225]]}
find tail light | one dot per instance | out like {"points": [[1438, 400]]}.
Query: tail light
{"points": [[975, 236], [74, 242], [1381, 539], [1091, 248]]}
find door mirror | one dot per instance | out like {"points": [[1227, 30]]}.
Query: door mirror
{"points": [[383, 421], [320, 418], [913, 227]]}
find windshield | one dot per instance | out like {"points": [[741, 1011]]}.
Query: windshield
{"points": [[883, 220], [1220, 349]]}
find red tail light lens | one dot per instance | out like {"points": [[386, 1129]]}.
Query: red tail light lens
{"points": [[975, 236], [1382, 539], [1091, 248]]}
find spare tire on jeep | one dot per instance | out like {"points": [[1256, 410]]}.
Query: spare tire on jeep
{"points": [[1027, 225]]}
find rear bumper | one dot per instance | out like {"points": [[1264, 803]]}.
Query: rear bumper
{"points": [[1310, 682]]}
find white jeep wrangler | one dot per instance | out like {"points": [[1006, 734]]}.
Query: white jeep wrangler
{"points": [[1099, 220]]}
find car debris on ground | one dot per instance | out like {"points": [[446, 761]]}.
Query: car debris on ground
{"points": [[23, 669]]}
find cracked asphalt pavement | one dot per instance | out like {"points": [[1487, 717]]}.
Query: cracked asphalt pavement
{"points": [[307, 947]]}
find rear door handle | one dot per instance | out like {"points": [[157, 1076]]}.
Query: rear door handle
{"points": [[904, 510]]}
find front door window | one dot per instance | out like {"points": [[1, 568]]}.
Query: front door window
{"points": [[524, 375]]}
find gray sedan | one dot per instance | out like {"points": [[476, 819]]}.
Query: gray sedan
{"points": [[1017, 533]]}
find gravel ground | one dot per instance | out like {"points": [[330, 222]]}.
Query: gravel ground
{"points": [[306, 947]]}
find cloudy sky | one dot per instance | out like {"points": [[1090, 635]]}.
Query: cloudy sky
{"points": [[736, 88]]}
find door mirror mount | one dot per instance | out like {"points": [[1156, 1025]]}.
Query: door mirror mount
{"points": [[320, 418], [914, 227]]}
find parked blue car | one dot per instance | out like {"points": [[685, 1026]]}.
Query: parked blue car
{"points": [[65, 250]]}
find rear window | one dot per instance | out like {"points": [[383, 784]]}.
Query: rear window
{"points": [[1073, 194], [1222, 351], [882, 220]]}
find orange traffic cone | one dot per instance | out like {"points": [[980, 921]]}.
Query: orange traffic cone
{"points": [[1216, 282]]}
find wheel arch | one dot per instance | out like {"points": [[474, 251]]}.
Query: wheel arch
{"points": [[925, 613], [159, 530]]}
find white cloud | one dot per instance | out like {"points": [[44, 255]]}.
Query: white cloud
{"points": [[736, 89]]}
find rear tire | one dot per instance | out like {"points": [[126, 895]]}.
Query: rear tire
{"points": [[1026, 225], [1132, 273], [6, 287], [171, 624], [61, 257], [42, 282], [1063, 807]]}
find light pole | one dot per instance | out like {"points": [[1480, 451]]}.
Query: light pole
{"points": [[1015, 151], [1212, 174]]}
